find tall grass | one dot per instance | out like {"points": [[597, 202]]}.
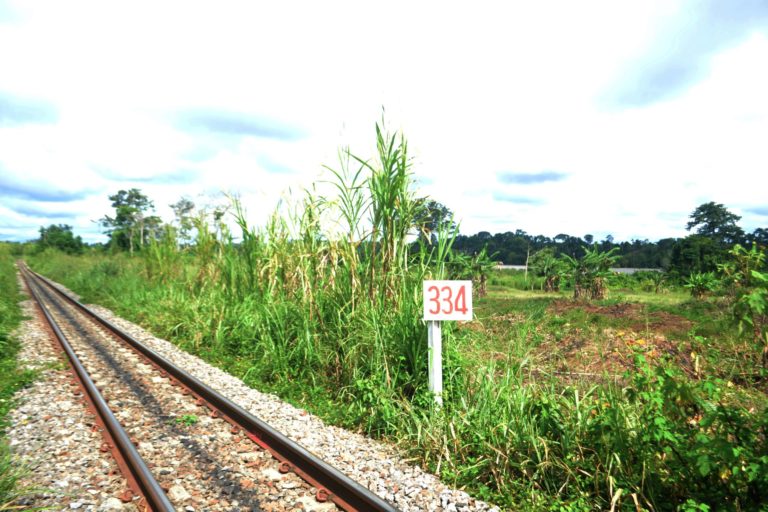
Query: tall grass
{"points": [[327, 291], [324, 301]]}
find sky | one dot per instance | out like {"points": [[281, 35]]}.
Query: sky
{"points": [[598, 117]]}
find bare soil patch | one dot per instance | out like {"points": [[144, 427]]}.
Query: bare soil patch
{"points": [[636, 315], [596, 351]]}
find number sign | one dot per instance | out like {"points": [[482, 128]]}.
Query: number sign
{"points": [[447, 300]]}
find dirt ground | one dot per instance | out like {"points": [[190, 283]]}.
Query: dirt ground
{"points": [[589, 350]]}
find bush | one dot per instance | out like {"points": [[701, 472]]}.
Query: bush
{"points": [[701, 284]]}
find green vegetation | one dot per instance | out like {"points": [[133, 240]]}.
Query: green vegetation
{"points": [[11, 378], [644, 398], [589, 272], [715, 232], [701, 284], [131, 228], [187, 420], [60, 237]]}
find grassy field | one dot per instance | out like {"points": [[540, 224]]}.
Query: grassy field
{"points": [[640, 400], [11, 378], [603, 336]]}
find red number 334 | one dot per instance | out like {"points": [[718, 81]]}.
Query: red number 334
{"points": [[441, 300]]}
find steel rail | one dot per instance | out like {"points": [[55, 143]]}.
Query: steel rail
{"points": [[138, 474], [330, 482]]}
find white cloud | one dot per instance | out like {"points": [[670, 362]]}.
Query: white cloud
{"points": [[477, 90]]}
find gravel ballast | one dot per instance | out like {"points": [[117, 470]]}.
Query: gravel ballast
{"points": [[51, 431]]}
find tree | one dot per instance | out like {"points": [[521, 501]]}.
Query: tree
{"points": [[60, 237], [433, 216], [183, 209], [131, 227], [572, 246], [716, 231], [714, 221], [758, 236], [607, 243], [695, 254]]}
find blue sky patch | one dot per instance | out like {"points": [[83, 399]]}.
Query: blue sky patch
{"points": [[273, 166], [681, 53], [760, 210], [38, 191], [35, 211], [234, 123], [530, 178], [178, 177], [510, 198], [15, 110]]}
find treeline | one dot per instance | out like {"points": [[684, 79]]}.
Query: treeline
{"points": [[133, 226], [714, 232]]}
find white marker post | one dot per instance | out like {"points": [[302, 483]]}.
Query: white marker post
{"points": [[435, 361], [443, 300]]}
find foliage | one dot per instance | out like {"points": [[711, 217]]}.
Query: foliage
{"points": [[183, 211], [712, 220], [393, 209], [11, 377], [701, 284], [432, 217], [751, 310], [553, 270], [759, 236], [747, 284], [715, 231], [695, 254], [515, 247], [11, 475], [736, 272], [476, 268], [654, 281], [130, 228], [186, 420], [508, 435], [658, 443], [588, 273], [59, 237]]}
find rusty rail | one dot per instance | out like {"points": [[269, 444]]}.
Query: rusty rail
{"points": [[140, 479], [331, 484]]}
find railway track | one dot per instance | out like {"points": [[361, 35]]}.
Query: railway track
{"points": [[180, 444]]}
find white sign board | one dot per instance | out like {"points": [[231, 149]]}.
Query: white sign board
{"points": [[447, 300]]}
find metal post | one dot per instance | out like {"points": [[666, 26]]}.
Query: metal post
{"points": [[435, 360]]}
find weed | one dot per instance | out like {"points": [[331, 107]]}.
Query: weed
{"points": [[11, 378], [186, 420]]}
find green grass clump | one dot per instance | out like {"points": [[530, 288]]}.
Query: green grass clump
{"points": [[658, 442], [11, 378]]}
